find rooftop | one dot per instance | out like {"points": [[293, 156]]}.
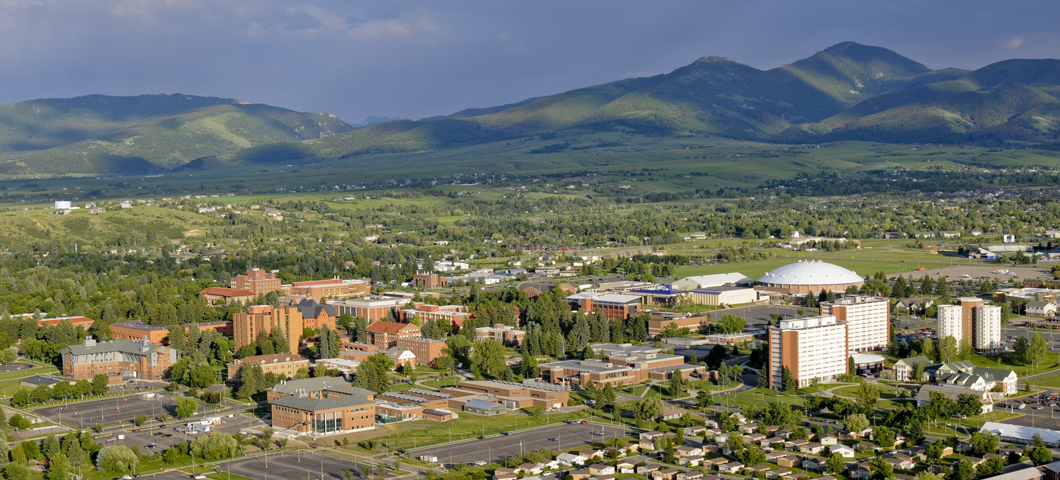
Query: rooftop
{"points": [[810, 273]]}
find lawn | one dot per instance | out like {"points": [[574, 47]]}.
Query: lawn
{"points": [[442, 382], [1047, 381], [886, 391], [1007, 360]]}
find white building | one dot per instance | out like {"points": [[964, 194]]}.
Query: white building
{"points": [[987, 328], [708, 281], [63, 205], [867, 318], [813, 348], [950, 322], [450, 266]]}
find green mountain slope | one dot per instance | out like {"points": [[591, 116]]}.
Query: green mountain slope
{"points": [[99, 134]]}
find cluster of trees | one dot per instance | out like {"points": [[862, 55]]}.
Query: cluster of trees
{"points": [[61, 391], [63, 456]]}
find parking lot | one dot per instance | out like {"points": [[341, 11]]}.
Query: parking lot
{"points": [[15, 366], [111, 411], [500, 447], [292, 466]]}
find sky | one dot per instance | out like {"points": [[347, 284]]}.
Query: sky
{"points": [[414, 59]]}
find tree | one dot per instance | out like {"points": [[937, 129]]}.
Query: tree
{"points": [[51, 447], [372, 373], [251, 381], [1037, 350], [280, 344], [927, 349], [867, 394], [788, 381], [100, 384], [1040, 455], [704, 398], [835, 464], [18, 422], [58, 468], [140, 420], [856, 422], [752, 455], [529, 366], [177, 339], [963, 470], [75, 454], [677, 384], [881, 469], [648, 408], [445, 362], [934, 453], [186, 407], [989, 467], [607, 396], [16, 471], [948, 349], [884, 436], [266, 438], [914, 432], [118, 458], [329, 344], [731, 324], [488, 358]]}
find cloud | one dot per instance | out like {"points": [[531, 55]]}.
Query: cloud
{"points": [[1014, 42]]}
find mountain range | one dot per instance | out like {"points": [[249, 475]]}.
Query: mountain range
{"points": [[846, 92]]}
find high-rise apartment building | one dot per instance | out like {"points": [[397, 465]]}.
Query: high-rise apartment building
{"points": [[987, 320], [951, 323], [867, 319], [972, 322], [812, 348]]}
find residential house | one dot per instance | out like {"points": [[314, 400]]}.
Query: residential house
{"points": [[601, 469], [667, 474], [829, 440], [625, 466], [923, 397], [690, 461], [648, 468], [731, 467], [570, 459], [778, 473], [692, 475], [789, 461], [844, 450], [1044, 308], [812, 448], [905, 369], [966, 374]]}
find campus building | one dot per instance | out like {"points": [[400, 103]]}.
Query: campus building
{"points": [[809, 277], [813, 349], [625, 364], [611, 305], [386, 334], [425, 349], [428, 281], [455, 314], [118, 359], [263, 319], [372, 308], [257, 282], [867, 318], [283, 365], [335, 288], [320, 407], [505, 334], [158, 335], [226, 296], [660, 319]]}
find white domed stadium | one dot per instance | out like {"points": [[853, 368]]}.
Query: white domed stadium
{"points": [[809, 276]]}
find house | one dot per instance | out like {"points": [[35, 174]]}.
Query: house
{"points": [[570, 459], [866, 447], [755, 470], [966, 374], [670, 412], [905, 369], [813, 464], [692, 475], [668, 474], [779, 473], [812, 448], [731, 467], [1041, 309], [913, 306], [748, 428], [625, 466], [694, 431], [845, 451], [829, 440], [687, 451], [504, 474], [579, 474], [601, 469], [769, 442], [691, 461], [591, 454], [648, 468], [529, 468], [859, 471], [789, 461]]}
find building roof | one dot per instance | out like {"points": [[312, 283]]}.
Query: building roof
{"points": [[226, 292], [1021, 432], [388, 327], [140, 325], [863, 358], [311, 309], [135, 347], [717, 280], [274, 358], [810, 273], [335, 384], [950, 391], [481, 404], [598, 297], [319, 404]]}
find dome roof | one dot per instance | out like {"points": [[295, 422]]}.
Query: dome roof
{"points": [[811, 273]]}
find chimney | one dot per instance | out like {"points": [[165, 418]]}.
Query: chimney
{"points": [[89, 341]]}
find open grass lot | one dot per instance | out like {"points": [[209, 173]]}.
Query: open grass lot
{"points": [[441, 382]]}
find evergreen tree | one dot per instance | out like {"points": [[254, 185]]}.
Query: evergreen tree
{"points": [[75, 454], [529, 366], [251, 381], [788, 381], [58, 468], [51, 446], [810, 301], [328, 347], [177, 339], [280, 344], [194, 335]]}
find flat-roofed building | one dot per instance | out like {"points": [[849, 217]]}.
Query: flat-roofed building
{"points": [[335, 288], [712, 281], [611, 305], [158, 335], [124, 359], [505, 334], [987, 322], [455, 314], [283, 365], [257, 282], [373, 308], [226, 296], [867, 318], [721, 296], [812, 348], [259, 320], [321, 407], [660, 319], [581, 372], [76, 321], [950, 323], [425, 349], [545, 395], [386, 334]]}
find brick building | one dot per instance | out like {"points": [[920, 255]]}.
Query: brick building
{"points": [[429, 281], [283, 365], [335, 288], [611, 305], [425, 349], [257, 282], [373, 308], [321, 406], [158, 335], [76, 321], [455, 314], [261, 319], [226, 296], [505, 334], [118, 359], [386, 334]]}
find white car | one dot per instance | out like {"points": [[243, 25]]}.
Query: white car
{"points": [[199, 477]]}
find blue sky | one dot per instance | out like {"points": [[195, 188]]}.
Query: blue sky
{"points": [[415, 59]]}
